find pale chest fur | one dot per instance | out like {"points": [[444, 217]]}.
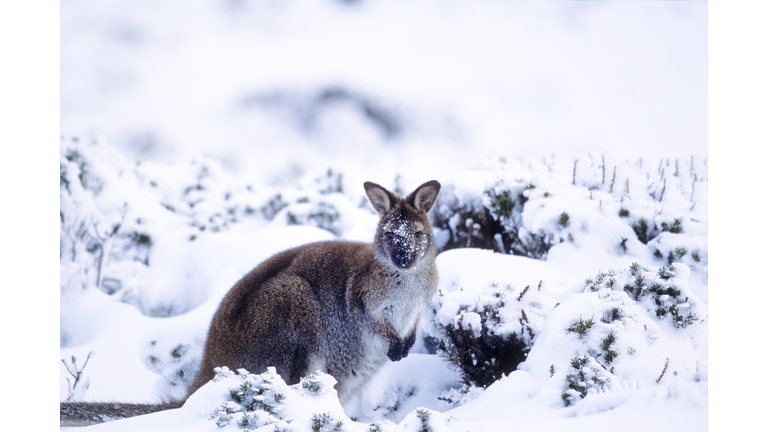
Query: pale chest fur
{"points": [[405, 304], [403, 298]]}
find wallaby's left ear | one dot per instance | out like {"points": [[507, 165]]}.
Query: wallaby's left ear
{"points": [[424, 197], [382, 199]]}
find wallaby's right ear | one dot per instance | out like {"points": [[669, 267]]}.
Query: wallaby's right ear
{"points": [[382, 199], [424, 197]]}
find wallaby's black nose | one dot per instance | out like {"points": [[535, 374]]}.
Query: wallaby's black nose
{"points": [[400, 258]]}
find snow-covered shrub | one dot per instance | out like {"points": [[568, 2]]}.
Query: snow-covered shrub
{"points": [[492, 220], [482, 358], [487, 334], [110, 233], [658, 285], [645, 233], [177, 362], [254, 401], [424, 420], [586, 376], [325, 423], [631, 305]]}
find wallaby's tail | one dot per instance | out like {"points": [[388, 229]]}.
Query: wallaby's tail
{"points": [[88, 413]]}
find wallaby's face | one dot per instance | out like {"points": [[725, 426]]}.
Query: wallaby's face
{"points": [[404, 234]]}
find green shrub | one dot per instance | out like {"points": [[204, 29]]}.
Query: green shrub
{"points": [[481, 360], [585, 374], [581, 327]]}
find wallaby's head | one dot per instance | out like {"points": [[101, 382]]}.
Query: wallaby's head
{"points": [[404, 235]]}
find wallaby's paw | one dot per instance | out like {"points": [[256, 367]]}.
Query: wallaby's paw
{"points": [[409, 343], [397, 350]]}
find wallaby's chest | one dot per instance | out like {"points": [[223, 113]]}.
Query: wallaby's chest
{"points": [[405, 299]]}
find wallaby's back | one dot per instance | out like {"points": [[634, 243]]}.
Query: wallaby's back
{"points": [[290, 312]]}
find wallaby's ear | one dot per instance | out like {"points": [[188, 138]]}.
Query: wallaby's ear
{"points": [[424, 197], [382, 199]]}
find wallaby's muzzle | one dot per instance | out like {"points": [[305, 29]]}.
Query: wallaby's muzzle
{"points": [[402, 258]]}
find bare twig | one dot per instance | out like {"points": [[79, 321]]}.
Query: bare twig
{"points": [[603, 156], [613, 181], [663, 371], [574, 171], [77, 374]]}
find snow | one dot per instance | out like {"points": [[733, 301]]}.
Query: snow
{"points": [[227, 131]]}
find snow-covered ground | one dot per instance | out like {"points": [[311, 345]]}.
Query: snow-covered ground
{"points": [[199, 139]]}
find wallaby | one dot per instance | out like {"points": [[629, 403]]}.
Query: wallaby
{"points": [[341, 307]]}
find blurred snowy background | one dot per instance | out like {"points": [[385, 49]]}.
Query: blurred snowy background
{"points": [[274, 89]]}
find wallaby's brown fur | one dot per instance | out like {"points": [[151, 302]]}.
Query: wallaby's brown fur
{"points": [[338, 306]]}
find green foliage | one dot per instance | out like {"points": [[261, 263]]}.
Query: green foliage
{"points": [[311, 383], [636, 290], [645, 233], [675, 227], [666, 272], [585, 374], [331, 183], [318, 214], [679, 320], [600, 279], [581, 327], [612, 315], [501, 203], [423, 415], [482, 359], [678, 254], [273, 206], [141, 238], [324, 423], [623, 213], [493, 225], [179, 351], [695, 256], [608, 353], [252, 404], [641, 230], [666, 299], [563, 221]]}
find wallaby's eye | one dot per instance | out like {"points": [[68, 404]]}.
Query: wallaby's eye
{"points": [[389, 235], [418, 234]]}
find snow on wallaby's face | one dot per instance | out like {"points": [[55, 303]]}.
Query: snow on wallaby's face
{"points": [[404, 234]]}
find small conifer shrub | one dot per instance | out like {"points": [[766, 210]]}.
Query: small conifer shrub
{"points": [[581, 327], [423, 415], [482, 359], [607, 344], [493, 222], [586, 375], [675, 227], [324, 423], [253, 403], [641, 230]]}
